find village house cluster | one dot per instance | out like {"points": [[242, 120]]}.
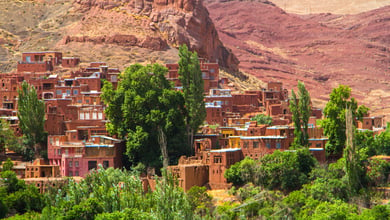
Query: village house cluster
{"points": [[78, 141]]}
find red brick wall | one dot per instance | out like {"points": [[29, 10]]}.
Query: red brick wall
{"points": [[34, 67], [70, 62]]}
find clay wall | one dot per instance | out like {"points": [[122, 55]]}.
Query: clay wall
{"points": [[275, 86], [214, 116], [256, 147], [35, 67], [70, 62], [319, 154], [191, 175], [219, 161]]}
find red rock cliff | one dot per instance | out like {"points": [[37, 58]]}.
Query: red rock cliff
{"points": [[151, 24]]}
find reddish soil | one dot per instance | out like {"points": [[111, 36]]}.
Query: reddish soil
{"points": [[323, 50]]}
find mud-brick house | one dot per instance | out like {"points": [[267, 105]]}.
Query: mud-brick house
{"points": [[39, 61], [190, 172], [258, 146], [219, 161], [79, 157], [210, 74], [39, 168], [371, 122]]}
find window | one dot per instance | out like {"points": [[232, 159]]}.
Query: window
{"points": [[68, 92], [70, 173], [318, 145], [92, 164], [100, 115], [77, 173], [278, 145], [94, 116], [75, 92], [70, 164], [255, 144], [268, 145], [217, 159], [105, 164], [246, 144], [59, 151], [79, 150], [81, 115], [58, 92], [76, 164], [87, 115]]}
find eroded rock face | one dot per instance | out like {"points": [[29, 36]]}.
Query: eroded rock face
{"points": [[153, 24]]}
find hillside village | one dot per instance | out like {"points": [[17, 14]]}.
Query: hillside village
{"points": [[78, 141]]}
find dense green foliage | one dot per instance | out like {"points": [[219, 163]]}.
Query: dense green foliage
{"points": [[334, 122], [16, 196], [262, 119], [190, 77], [200, 201], [7, 137], [373, 144], [148, 113], [116, 194], [31, 114], [300, 107], [326, 195], [284, 171]]}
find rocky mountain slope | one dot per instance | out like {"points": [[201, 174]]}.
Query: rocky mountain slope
{"points": [[323, 50], [117, 32]]}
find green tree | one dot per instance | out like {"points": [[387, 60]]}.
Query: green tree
{"points": [[241, 172], [262, 119], [285, 171], [190, 77], [3, 208], [147, 112], [378, 171], [31, 114], [114, 191], [334, 123], [300, 108], [7, 137], [199, 200], [7, 165]]}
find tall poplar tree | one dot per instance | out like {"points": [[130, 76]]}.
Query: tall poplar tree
{"points": [[190, 76], [31, 114], [300, 108], [334, 124]]}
